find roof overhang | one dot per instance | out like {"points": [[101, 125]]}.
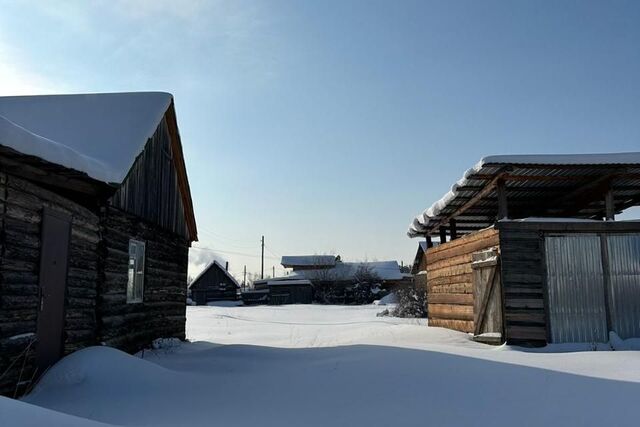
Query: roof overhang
{"points": [[573, 186], [181, 171]]}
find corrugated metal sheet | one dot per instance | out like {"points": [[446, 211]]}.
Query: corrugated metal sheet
{"points": [[575, 282], [624, 295], [529, 187]]}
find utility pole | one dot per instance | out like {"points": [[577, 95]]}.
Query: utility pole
{"points": [[262, 259], [244, 279]]}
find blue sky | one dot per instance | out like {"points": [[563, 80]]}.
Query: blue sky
{"points": [[327, 125]]}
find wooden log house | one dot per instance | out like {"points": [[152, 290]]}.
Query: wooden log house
{"points": [[530, 252], [214, 283], [96, 221]]}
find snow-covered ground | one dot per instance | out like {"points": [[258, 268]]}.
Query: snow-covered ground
{"points": [[331, 366]]}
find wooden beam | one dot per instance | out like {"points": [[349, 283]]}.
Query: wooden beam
{"points": [[429, 241], [502, 200], [610, 207], [181, 171], [486, 190], [453, 231], [443, 235]]}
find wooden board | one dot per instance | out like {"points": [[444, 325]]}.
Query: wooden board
{"points": [[449, 279]]}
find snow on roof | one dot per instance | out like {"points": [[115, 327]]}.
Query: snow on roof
{"points": [[384, 270], [20, 139], [99, 134], [420, 222], [548, 219], [295, 282], [308, 260]]}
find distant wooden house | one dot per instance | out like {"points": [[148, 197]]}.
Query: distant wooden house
{"points": [[419, 268], [215, 283], [96, 221], [339, 282], [298, 291], [331, 269], [309, 262], [530, 252]]}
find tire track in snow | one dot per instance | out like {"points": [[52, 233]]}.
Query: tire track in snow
{"points": [[309, 323]]}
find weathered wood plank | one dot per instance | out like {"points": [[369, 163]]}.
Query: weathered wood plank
{"points": [[450, 311], [526, 332], [451, 298], [455, 288], [458, 325]]}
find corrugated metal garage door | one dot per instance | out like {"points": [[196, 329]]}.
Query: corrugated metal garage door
{"points": [[624, 295], [575, 283]]}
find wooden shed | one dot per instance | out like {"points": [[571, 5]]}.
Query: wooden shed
{"points": [[96, 221], [530, 252], [215, 283], [298, 291]]}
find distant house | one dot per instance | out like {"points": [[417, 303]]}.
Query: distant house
{"points": [[419, 263], [215, 283], [332, 269], [530, 250], [310, 262], [419, 267], [96, 221], [340, 282], [293, 291]]}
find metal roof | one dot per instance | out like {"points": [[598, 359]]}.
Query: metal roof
{"points": [[289, 261], [541, 186]]}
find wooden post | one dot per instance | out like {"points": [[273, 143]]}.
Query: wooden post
{"points": [[606, 267], [453, 232], [443, 234], [503, 211], [429, 241], [610, 208]]}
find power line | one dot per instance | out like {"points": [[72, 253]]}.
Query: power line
{"points": [[230, 241], [204, 248], [272, 253]]}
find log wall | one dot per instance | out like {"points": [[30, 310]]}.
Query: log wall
{"points": [[132, 327], [21, 204], [449, 279]]}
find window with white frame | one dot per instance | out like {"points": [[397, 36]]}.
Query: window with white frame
{"points": [[135, 286]]}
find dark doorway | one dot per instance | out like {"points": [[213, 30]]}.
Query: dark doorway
{"points": [[54, 254]]}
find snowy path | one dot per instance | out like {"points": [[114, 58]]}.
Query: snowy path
{"points": [[332, 366]]}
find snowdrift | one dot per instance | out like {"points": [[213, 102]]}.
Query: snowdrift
{"points": [[200, 384]]}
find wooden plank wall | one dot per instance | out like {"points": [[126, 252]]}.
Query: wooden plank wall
{"points": [[449, 279], [21, 204], [524, 272], [523, 285], [151, 189], [207, 286], [132, 327]]}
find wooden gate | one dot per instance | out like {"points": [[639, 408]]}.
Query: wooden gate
{"points": [[54, 253], [487, 297]]}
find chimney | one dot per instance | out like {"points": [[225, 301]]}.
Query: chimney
{"points": [[226, 266]]}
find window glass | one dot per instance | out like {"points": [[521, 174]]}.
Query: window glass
{"points": [[135, 285]]}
